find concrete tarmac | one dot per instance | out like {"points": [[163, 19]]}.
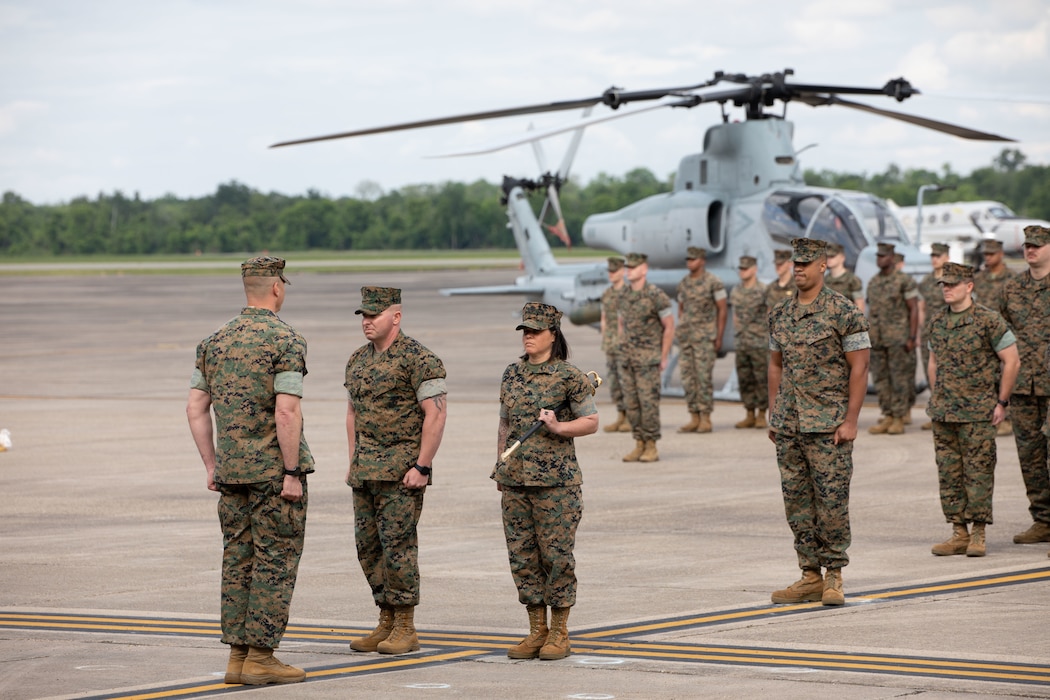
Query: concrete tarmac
{"points": [[110, 554]]}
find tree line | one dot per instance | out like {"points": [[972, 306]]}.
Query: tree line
{"points": [[451, 215]]}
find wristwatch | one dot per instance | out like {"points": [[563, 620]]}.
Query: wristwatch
{"points": [[1002, 403], [293, 472], [425, 471]]}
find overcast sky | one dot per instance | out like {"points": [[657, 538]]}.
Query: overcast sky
{"points": [[179, 96]]}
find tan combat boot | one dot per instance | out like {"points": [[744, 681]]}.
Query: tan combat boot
{"points": [[692, 425], [896, 427], [402, 637], [381, 632], [882, 426], [809, 588], [633, 455], [956, 544], [907, 418], [238, 653], [1038, 532], [833, 588], [625, 427], [749, 420], [705, 423], [928, 425], [557, 646], [649, 453], [1005, 428], [261, 667], [760, 420], [529, 648], [976, 547], [615, 425]]}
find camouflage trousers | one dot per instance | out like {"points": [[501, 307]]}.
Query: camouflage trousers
{"points": [[752, 369], [965, 454], [641, 397], [612, 379], [1029, 416], [696, 362], [890, 368], [262, 537], [815, 475], [911, 371], [540, 524], [385, 518]]}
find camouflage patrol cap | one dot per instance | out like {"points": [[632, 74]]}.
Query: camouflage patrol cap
{"points": [[991, 245], [1036, 235], [939, 249], [747, 261], [807, 249], [615, 264], [376, 300], [833, 249], [539, 317], [781, 256], [636, 259], [695, 253], [954, 273], [898, 257], [886, 249], [264, 266]]}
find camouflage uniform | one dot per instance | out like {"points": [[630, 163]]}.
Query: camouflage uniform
{"points": [[775, 293], [386, 389], [696, 332], [541, 494], [1025, 304], [888, 312], [751, 340], [933, 299], [847, 284], [611, 344], [965, 348], [242, 367], [641, 341], [987, 286], [809, 406]]}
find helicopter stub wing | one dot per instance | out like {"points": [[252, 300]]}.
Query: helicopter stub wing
{"points": [[496, 289]]}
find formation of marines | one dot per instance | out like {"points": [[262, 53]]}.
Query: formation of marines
{"points": [[986, 347]]}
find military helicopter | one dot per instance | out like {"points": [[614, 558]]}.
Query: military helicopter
{"points": [[743, 195]]}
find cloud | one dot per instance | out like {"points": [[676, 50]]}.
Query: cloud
{"points": [[18, 113]]}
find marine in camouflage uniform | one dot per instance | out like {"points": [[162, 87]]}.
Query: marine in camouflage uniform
{"points": [[702, 311], [751, 340], [250, 372], [1025, 304], [967, 344], [844, 282], [540, 480], [818, 377], [931, 302], [783, 287], [646, 336], [610, 324], [396, 409], [987, 286], [893, 313]]}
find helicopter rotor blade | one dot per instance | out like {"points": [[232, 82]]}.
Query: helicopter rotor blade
{"points": [[945, 127], [574, 144]]}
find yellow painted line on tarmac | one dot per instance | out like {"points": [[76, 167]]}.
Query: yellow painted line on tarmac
{"points": [[1025, 577]]}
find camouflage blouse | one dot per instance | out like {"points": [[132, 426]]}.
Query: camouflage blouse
{"points": [[1025, 305], [750, 316], [888, 297], [847, 284], [641, 314], [611, 309], [933, 297], [697, 309]]}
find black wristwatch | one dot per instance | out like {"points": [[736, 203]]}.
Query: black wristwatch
{"points": [[425, 471], [1002, 403], [293, 472]]}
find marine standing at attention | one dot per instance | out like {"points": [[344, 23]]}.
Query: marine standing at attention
{"points": [[611, 343], [893, 309], [646, 337], [701, 325], [540, 481], [818, 376], [395, 418], [988, 284], [1025, 304], [931, 302], [751, 340], [783, 287], [840, 279], [973, 365], [251, 372]]}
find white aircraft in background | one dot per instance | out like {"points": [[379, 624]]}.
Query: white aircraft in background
{"points": [[963, 225]]}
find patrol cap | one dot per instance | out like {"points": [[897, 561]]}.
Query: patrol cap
{"points": [[615, 264], [806, 250], [539, 317], [833, 249], [747, 261], [939, 249], [886, 249], [264, 266], [898, 257], [954, 273], [991, 245], [695, 252], [376, 300], [1036, 235], [781, 256], [636, 259]]}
